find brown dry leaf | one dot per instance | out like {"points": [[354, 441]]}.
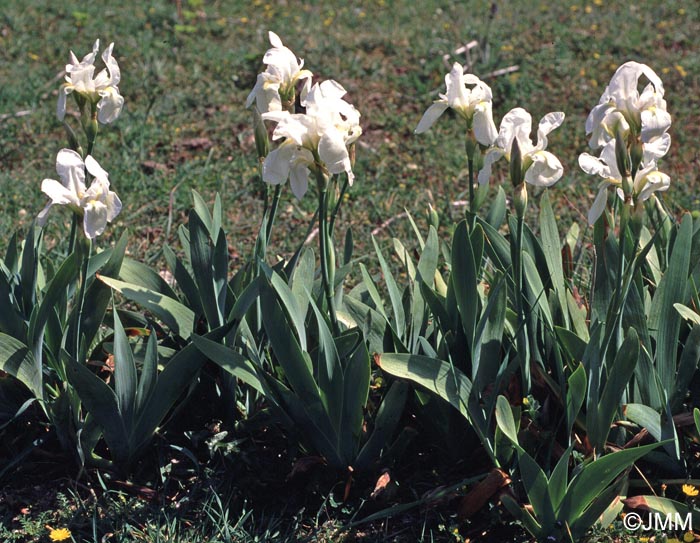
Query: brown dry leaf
{"points": [[348, 484], [482, 492], [382, 482]]}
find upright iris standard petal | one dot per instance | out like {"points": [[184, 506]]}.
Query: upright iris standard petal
{"points": [[470, 98], [483, 125], [334, 154], [548, 123], [278, 82], [622, 108], [516, 124], [71, 170], [100, 90]]}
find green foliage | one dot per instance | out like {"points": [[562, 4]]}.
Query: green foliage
{"points": [[564, 509], [129, 414], [325, 384], [556, 367]]}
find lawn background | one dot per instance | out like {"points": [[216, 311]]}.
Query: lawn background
{"points": [[186, 75]]}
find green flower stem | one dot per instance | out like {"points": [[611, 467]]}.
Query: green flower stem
{"points": [[325, 248], [521, 336], [84, 246], [272, 213], [471, 146], [73, 142], [74, 225], [621, 270], [261, 243], [470, 167], [91, 128], [343, 189]]}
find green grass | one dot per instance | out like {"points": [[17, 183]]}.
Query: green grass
{"points": [[187, 79]]}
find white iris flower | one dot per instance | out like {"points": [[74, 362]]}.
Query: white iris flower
{"points": [[277, 84], [471, 99], [318, 138], [97, 205], [540, 167], [100, 90]]}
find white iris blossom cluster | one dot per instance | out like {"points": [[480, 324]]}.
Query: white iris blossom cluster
{"points": [[96, 204], [101, 91], [641, 121], [471, 99], [318, 138]]}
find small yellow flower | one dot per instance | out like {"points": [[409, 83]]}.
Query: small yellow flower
{"points": [[598, 2], [61, 534], [681, 70], [690, 490], [588, 9], [688, 537]]}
